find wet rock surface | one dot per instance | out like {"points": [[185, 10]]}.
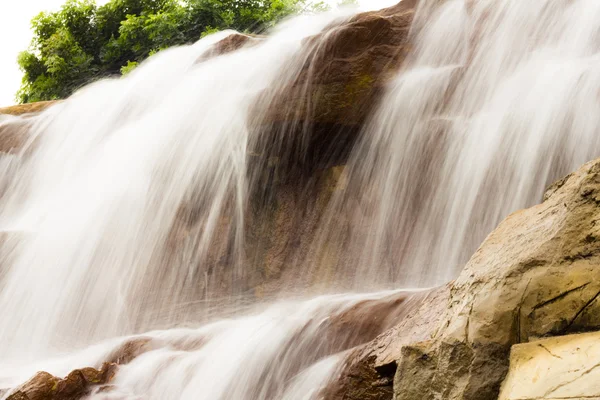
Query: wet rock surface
{"points": [[345, 73], [76, 385]]}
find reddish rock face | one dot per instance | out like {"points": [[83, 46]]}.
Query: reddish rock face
{"points": [[304, 133], [346, 71]]}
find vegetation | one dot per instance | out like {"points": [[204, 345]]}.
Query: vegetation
{"points": [[83, 42]]}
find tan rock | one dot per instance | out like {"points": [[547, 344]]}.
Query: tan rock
{"points": [[536, 275], [563, 367], [30, 108]]}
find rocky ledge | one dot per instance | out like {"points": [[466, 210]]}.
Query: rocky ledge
{"points": [[537, 276]]}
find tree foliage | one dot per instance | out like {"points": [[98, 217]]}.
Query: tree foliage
{"points": [[83, 42]]}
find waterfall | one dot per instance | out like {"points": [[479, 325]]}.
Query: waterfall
{"points": [[127, 197], [496, 102]]}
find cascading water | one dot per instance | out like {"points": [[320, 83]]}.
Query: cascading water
{"points": [[98, 211], [496, 101], [112, 211]]}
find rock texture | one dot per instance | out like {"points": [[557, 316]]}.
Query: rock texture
{"points": [[15, 124], [346, 69], [537, 275], [563, 367], [76, 385], [305, 131]]}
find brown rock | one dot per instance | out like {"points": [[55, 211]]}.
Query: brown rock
{"points": [[130, 350], [231, 43], [345, 73], [347, 69], [14, 133], [76, 385]]}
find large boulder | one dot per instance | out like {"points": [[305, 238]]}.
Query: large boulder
{"points": [[537, 275]]}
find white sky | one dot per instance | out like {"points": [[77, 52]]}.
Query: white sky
{"points": [[15, 36]]}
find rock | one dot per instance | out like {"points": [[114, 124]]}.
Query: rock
{"points": [[537, 275], [14, 133], [76, 385], [563, 367], [30, 108], [346, 71], [346, 76], [130, 350], [231, 43]]}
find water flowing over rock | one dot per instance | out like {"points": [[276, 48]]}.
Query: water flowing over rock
{"points": [[536, 275], [178, 233], [345, 74]]}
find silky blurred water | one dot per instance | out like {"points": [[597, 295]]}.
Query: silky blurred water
{"points": [[496, 100]]}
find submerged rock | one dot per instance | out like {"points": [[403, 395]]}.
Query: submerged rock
{"points": [[537, 275]]}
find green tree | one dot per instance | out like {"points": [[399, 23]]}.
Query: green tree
{"points": [[83, 42]]}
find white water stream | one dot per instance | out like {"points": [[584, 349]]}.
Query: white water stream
{"points": [[495, 101]]}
